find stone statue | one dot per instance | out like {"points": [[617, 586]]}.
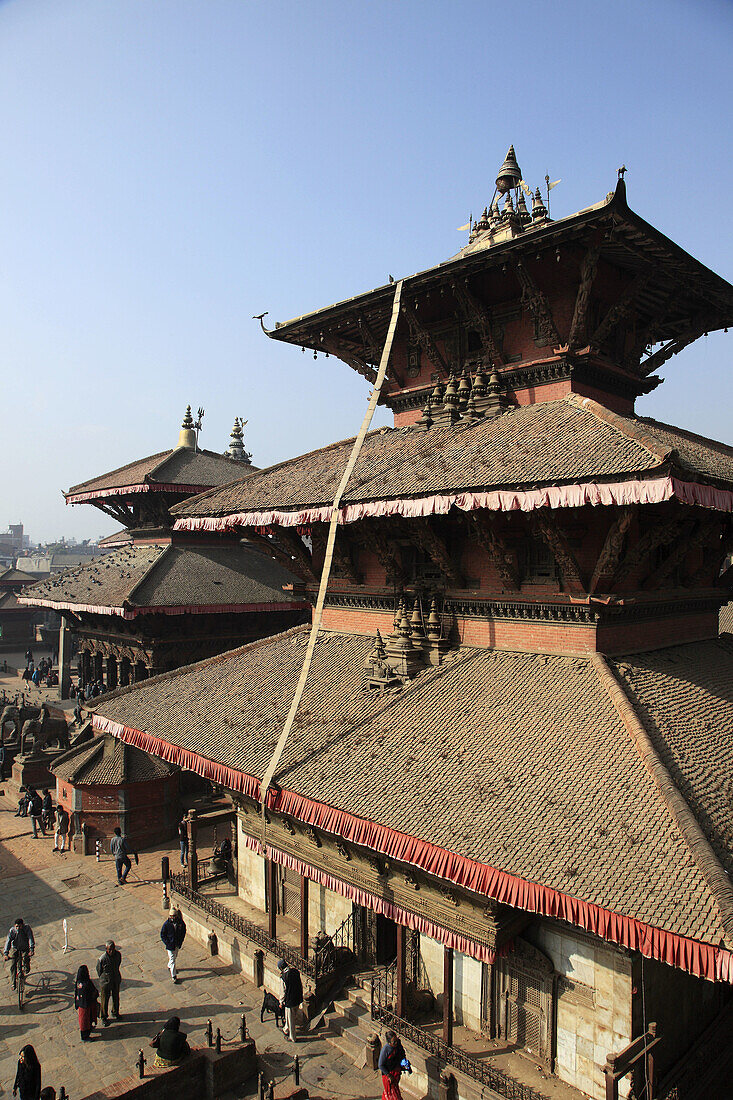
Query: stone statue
{"points": [[44, 730]]}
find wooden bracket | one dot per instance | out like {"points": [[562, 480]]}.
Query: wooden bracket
{"points": [[579, 324], [497, 550], [559, 547], [476, 311], [610, 555], [427, 538], [425, 340], [637, 554], [545, 328]]}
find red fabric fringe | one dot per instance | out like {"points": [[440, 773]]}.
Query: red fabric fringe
{"points": [[701, 959]]}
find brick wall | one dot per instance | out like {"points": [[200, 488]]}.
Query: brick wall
{"points": [[204, 1074]]}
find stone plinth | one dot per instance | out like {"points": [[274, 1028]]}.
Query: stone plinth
{"points": [[34, 771]]}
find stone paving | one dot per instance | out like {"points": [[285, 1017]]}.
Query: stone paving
{"points": [[44, 888]]}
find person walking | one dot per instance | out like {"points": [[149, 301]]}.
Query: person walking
{"points": [[110, 979], [173, 933], [61, 830], [183, 839], [391, 1058], [292, 997], [35, 809], [28, 1076], [120, 850], [86, 1002]]}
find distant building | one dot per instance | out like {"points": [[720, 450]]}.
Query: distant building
{"points": [[157, 600]]}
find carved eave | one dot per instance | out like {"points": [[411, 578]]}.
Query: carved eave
{"points": [[672, 295]]}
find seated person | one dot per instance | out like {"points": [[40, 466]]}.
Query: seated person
{"points": [[223, 855], [171, 1044]]}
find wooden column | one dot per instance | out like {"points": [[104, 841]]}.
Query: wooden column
{"points": [[271, 872], [448, 995], [400, 1002], [304, 916], [193, 863], [64, 659]]}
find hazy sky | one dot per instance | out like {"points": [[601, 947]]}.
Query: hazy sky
{"points": [[171, 167]]}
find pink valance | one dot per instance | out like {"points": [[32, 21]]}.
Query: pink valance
{"points": [[650, 491], [183, 609], [702, 959], [417, 923], [142, 487]]}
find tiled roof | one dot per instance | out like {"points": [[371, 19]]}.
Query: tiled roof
{"points": [[566, 441], [142, 575], [105, 761], [179, 466], [117, 538], [9, 601], [726, 619], [518, 761], [684, 697], [13, 577]]}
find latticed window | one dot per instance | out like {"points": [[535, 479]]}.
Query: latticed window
{"points": [[537, 562], [522, 1009]]}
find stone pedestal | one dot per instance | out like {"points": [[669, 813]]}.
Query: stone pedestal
{"points": [[34, 770]]}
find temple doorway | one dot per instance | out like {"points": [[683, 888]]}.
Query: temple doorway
{"points": [[385, 940]]}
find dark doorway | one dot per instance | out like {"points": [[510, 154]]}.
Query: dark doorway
{"points": [[386, 939]]}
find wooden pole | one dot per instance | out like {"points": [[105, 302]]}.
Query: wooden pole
{"points": [[271, 898], [448, 995], [400, 976], [193, 863], [304, 916]]}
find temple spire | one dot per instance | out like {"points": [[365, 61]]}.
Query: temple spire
{"points": [[236, 446]]}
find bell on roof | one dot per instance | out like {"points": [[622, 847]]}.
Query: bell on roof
{"points": [[187, 434], [509, 173]]}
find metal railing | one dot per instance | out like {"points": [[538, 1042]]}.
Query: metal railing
{"points": [[316, 968], [383, 988], [383, 996], [343, 937]]}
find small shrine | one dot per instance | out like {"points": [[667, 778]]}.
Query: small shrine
{"points": [[104, 783]]}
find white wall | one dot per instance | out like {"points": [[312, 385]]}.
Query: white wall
{"points": [[251, 877], [594, 1020], [326, 909], [466, 981]]}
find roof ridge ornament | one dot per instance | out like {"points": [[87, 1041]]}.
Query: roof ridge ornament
{"points": [[187, 434]]}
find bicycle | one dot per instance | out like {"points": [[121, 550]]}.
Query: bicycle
{"points": [[21, 973]]}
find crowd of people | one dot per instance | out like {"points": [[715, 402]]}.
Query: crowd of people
{"points": [[44, 815], [42, 674], [93, 1002]]}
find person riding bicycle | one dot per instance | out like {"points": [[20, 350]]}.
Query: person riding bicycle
{"points": [[19, 944]]}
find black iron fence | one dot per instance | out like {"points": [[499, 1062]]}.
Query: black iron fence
{"points": [[382, 1000], [322, 964]]}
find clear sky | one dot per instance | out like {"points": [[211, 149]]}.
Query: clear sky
{"points": [[171, 167]]}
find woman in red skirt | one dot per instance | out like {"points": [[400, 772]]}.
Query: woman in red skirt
{"points": [[390, 1066], [86, 1001]]}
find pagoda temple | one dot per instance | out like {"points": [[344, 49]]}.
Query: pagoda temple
{"points": [[155, 601], [506, 786]]}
